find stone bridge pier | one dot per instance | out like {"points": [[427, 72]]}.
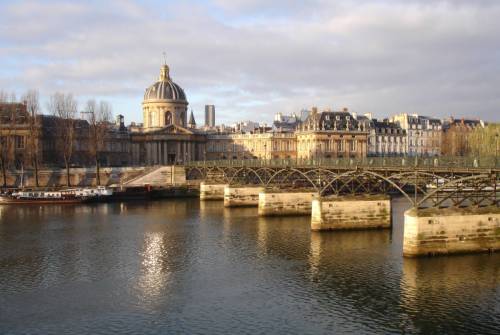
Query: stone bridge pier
{"points": [[212, 191], [275, 202], [351, 212], [242, 196], [434, 231]]}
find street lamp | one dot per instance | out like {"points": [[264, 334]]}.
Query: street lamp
{"points": [[265, 152], [496, 150], [205, 157]]}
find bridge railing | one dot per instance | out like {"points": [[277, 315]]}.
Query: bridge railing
{"points": [[418, 162]]}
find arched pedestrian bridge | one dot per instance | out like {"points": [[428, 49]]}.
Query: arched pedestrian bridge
{"points": [[454, 201], [431, 182]]}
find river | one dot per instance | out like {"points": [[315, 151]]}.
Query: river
{"points": [[181, 266]]}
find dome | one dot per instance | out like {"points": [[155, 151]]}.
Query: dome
{"points": [[165, 88]]}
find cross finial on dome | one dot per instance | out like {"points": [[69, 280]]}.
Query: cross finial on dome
{"points": [[164, 72]]}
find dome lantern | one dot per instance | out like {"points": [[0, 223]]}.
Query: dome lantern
{"points": [[164, 73], [165, 88]]}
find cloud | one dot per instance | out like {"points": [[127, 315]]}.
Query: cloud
{"points": [[254, 58]]}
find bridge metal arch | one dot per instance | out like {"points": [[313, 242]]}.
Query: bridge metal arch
{"points": [[416, 174], [319, 170], [449, 184], [291, 171], [202, 172], [231, 179], [364, 172], [267, 173]]}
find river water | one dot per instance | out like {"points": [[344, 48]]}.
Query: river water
{"points": [[181, 266]]}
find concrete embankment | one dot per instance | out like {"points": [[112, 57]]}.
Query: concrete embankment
{"points": [[78, 176]]}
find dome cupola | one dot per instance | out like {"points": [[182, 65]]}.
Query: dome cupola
{"points": [[164, 103], [165, 88]]}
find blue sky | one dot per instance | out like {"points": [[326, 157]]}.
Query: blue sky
{"points": [[253, 58]]}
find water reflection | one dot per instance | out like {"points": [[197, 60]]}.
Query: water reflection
{"points": [[181, 266], [284, 237], [452, 291], [155, 271], [211, 209], [351, 246]]}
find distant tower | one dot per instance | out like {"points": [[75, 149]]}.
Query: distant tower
{"points": [[210, 116], [192, 122]]}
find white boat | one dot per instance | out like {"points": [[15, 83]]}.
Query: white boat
{"points": [[99, 191]]}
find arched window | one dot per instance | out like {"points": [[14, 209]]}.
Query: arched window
{"points": [[168, 118]]}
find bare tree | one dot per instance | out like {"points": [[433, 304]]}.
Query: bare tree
{"points": [[33, 108], [64, 108], [99, 117], [7, 123]]}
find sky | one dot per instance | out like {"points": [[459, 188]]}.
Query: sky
{"points": [[254, 58]]}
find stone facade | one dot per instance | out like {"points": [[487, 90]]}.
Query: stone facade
{"points": [[423, 134], [167, 146], [386, 139], [270, 145], [331, 135], [17, 129]]}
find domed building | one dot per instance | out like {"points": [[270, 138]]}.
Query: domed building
{"points": [[166, 136], [164, 103]]}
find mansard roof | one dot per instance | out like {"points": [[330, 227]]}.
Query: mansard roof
{"points": [[342, 121]]}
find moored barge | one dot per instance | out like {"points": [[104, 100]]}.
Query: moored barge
{"points": [[45, 197]]}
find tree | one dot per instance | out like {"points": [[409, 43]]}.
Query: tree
{"points": [[455, 141], [99, 117], [64, 108], [7, 123], [33, 108], [483, 141]]}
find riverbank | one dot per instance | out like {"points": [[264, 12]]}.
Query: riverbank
{"points": [[78, 176]]}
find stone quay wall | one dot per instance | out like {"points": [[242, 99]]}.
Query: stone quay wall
{"points": [[212, 191], [242, 196], [351, 212], [283, 203], [451, 230], [78, 176]]}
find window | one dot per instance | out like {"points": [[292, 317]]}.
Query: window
{"points": [[168, 118], [340, 146], [352, 145], [19, 140]]}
